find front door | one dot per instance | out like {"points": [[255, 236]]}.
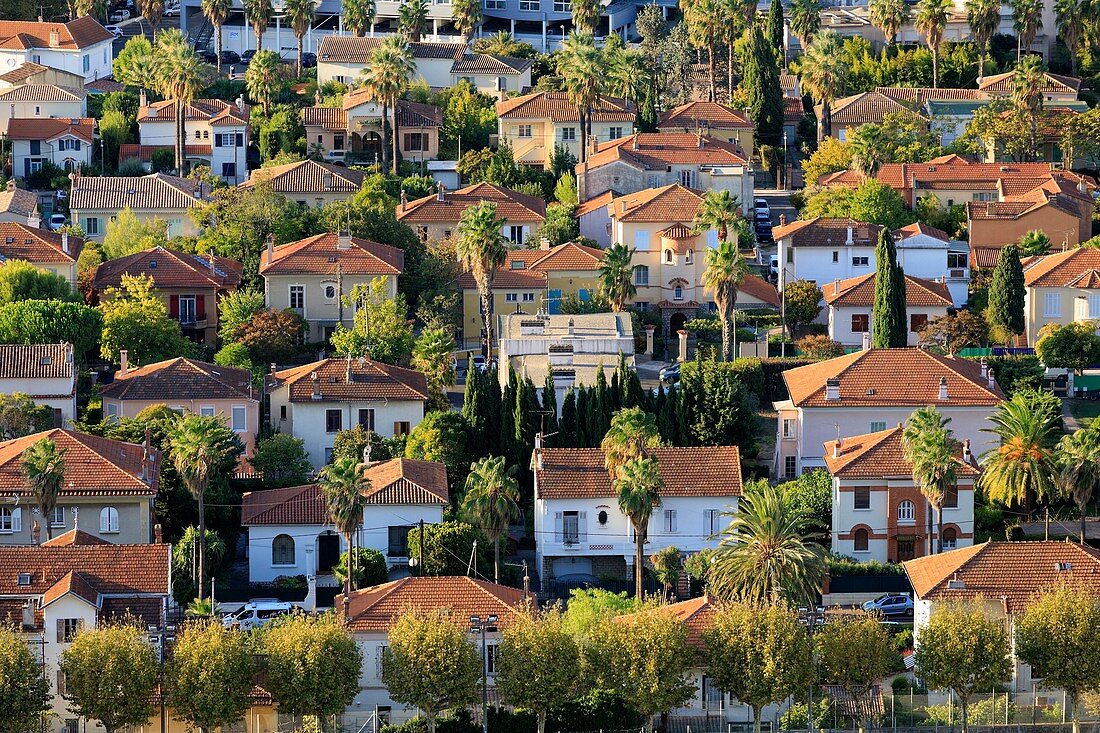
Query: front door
{"points": [[906, 549], [328, 552]]}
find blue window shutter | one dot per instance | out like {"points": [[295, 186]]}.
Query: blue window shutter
{"points": [[583, 295], [555, 302], [76, 144], [36, 147]]}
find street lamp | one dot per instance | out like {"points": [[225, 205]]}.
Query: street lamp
{"points": [[476, 625], [160, 637]]}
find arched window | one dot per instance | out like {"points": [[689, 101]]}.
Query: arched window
{"points": [[641, 275], [678, 293], [689, 258], [950, 538], [108, 519], [859, 540], [668, 257], [905, 511], [282, 550]]}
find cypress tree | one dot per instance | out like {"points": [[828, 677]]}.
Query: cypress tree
{"points": [[593, 428], [1006, 292], [775, 26], [549, 405], [491, 404], [647, 115], [606, 402], [581, 431], [765, 96], [508, 416], [567, 427], [888, 313]]}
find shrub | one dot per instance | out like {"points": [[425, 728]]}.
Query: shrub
{"points": [[819, 347], [840, 565], [131, 167]]}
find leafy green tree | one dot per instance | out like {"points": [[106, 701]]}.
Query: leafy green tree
{"points": [[585, 15], [725, 270], [491, 502], [411, 18], [282, 460], [983, 17], [962, 650], [358, 15], [1027, 21], [1034, 243], [805, 20], [369, 565], [1070, 16], [854, 653], [110, 675], [20, 280], [381, 328], [43, 465], [764, 95], [1006, 292], [638, 485], [133, 66], [20, 415], [831, 156], [589, 607], [1024, 464], [126, 234], [715, 407], [579, 64], [775, 27], [272, 337], [801, 302], [234, 310], [1071, 346], [759, 653], [811, 494], [890, 315], [135, 318], [537, 663], [263, 78], [180, 76], [217, 12], [467, 17], [705, 20], [211, 676], [448, 546], [25, 694], [481, 249], [441, 437], [872, 201]]}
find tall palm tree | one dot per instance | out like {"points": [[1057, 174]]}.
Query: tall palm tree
{"points": [[617, 276], [411, 17], [1027, 21], [706, 23], [481, 249], [868, 150], [358, 16], [153, 12], [300, 15], [387, 78], [586, 13], [725, 270], [181, 75], [983, 17], [263, 78], [1024, 463], [1027, 93], [344, 487], [259, 14], [629, 75], [197, 453], [667, 566], [823, 74], [638, 486], [492, 501], [1071, 16], [44, 469], [466, 16], [581, 68], [770, 551], [633, 434], [929, 446], [720, 211], [1079, 475], [888, 16], [217, 12], [805, 20], [930, 21]]}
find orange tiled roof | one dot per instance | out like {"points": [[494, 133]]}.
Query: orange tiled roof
{"points": [[75, 537], [409, 114], [1073, 268], [693, 115], [577, 473], [330, 118], [406, 481], [370, 380], [76, 583], [568, 256], [673, 203], [555, 106], [40, 246], [658, 150], [94, 466], [23, 128], [181, 379], [154, 191], [760, 289], [307, 176], [918, 228], [506, 277], [356, 50], [321, 254], [41, 93], [447, 206], [596, 203], [75, 34], [24, 71], [144, 153], [825, 232], [111, 569], [917, 96], [1003, 84], [793, 110], [214, 111], [863, 108], [859, 291], [876, 455], [170, 269], [891, 377], [290, 505], [697, 614], [18, 201], [375, 609]]}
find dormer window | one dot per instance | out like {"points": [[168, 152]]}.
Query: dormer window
{"points": [[517, 264], [24, 579]]}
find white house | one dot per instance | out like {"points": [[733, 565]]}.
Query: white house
{"points": [[216, 134], [41, 102], [879, 512], [580, 532], [851, 302], [316, 401], [44, 372], [290, 531], [870, 390], [66, 142], [82, 46]]}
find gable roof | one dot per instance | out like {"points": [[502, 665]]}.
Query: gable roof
{"points": [[579, 473], [35, 128], [214, 111], [658, 150], [154, 191], [355, 50], [485, 63], [1012, 571], [447, 206], [101, 568], [826, 232], [94, 466], [71, 36], [375, 609], [917, 229], [170, 269], [556, 107], [370, 380], [673, 203], [891, 377], [595, 203], [859, 291], [507, 278], [36, 361], [41, 93], [17, 201], [75, 537], [307, 176], [879, 454], [1074, 268], [409, 114], [567, 256], [23, 242], [21, 73], [760, 289], [697, 114], [1003, 84], [181, 379], [866, 107], [323, 253], [697, 614]]}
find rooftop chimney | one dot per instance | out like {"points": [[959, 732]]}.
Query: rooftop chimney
{"points": [[270, 247], [343, 239], [782, 220], [123, 360], [832, 389], [572, 327], [55, 38], [866, 341], [985, 368], [404, 200], [836, 286], [837, 446], [967, 455], [441, 194], [158, 534], [143, 100], [943, 388], [274, 367], [990, 381], [34, 221], [316, 386], [36, 532], [851, 238]]}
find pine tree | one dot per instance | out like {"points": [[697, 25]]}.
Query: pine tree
{"points": [[567, 427], [888, 313], [775, 26], [1006, 292], [765, 96]]}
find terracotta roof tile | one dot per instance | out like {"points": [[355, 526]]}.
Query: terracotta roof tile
{"points": [[760, 289], [17, 201], [824, 232], [576, 473], [1003, 84], [406, 481], [793, 109], [511, 205], [330, 118], [917, 229], [170, 269], [321, 254], [859, 291], [375, 609], [41, 93], [94, 466], [291, 505], [864, 108], [214, 111], [985, 257], [596, 203], [104, 86], [79, 584], [693, 115], [36, 361], [40, 246], [673, 203], [146, 611], [308, 176], [23, 128], [370, 380], [181, 379], [506, 278], [75, 537], [75, 34], [111, 569], [658, 150], [154, 191], [697, 614], [555, 106], [354, 50], [877, 455], [409, 114], [917, 96], [568, 256], [484, 63], [21, 73], [1073, 268]]}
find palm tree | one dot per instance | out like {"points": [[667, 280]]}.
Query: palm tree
{"points": [[1079, 477], [629, 75], [823, 74], [263, 78], [411, 17], [259, 14], [1071, 15], [930, 447], [344, 487], [1027, 21], [725, 269], [181, 75], [720, 211], [492, 501], [930, 21], [1024, 463], [153, 12], [217, 12], [299, 16], [44, 469], [387, 78], [888, 16], [1027, 93], [581, 69], [481, 249], [983, 16], [805, 20], [706, 23], [668, 567], [769, 551], [358, 16], [638, 486], [585, 15], [868, 150], [617, 276], [197, 452], [633, 433], [466, 16]]}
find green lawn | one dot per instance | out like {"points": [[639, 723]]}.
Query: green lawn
{"points": [[1085, 411]]}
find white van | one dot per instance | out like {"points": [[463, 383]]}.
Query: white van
{"points": [[256, 613]]}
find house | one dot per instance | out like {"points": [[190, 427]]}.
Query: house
{"points": [[593, 219], [65, 142], [919, 235], [32, 73], [1005, 577], [353, 132], [308, 182], [108, 490], [716, 120], [290, 531], [343, 59], [44, 372], [850, 303], [41, 102], [573, 348], [436, 216], [536, 124], [190, 283], [879, 512], [216, 134], [371, 612], [81, 46], [51, 251], [1055, 87], [50, 591], [187, 385], [870, 389], [95, 201], [19, 206], [580, 532], [313, 275], [1061, 288], [651, 160], [492, 75], [316, 401], [871, 107]]}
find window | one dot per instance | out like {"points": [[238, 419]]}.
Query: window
{"points": [[641, 305], [67, 629], [422, 233], [956, 260], [689, 258], [229, 170], [687, 178], [614, 133], [366, 418], [57, 517], [240, 418], [861, 498], [329, 291], [790, 256], [1052, 305], [790, 467], [515, 234], [400, 427], [333, 421], [861, 323], [398, 545], [951, 498], [528, 297], [1094, 306], [198, 135], [282, 550], [878, 426], [91, 225], [668, 257], [568, 134], [714, 520], [859, 540], [282, 412], [524, 131], [983, 195], [337, 142], [529, 5], [641, 275], [416, 142], [187, 309], [570, 528], [298, 297], [788, 427], [653, 180], [917, 322], [950, 539], [86, 62], [108, 520], [563, 6], [207, 411], [670, 521], [641, 240], [72, 725], [10, 520], [836, 256], [511, 297], [678, 293], [861, 261], [112, 409], [842, 134], [906, 511]]}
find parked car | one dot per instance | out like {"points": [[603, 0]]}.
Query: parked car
{"points": [[171, 10], [246, 57], [56, 221], [670, 374], [256, 613], [309, 60], [114, 30], [773, 265], [208, 57], [761, 205], [230, 57], [120, 15], [890, 604]]}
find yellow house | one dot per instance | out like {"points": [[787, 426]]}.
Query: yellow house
{"points": [[720, 122], [436, 216], [1061, 288], [95, 201], [534, 124], [262, 716], [308, 182]]}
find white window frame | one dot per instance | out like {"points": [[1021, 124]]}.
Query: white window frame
{"points": [[58, 511], [1093, 302], [641, 240], [108, 520], [907, 511], [242, 411], [524, 131], [1052, 305], [568, 134], [878, 426], [686, 177], [10, 520], [789, 427], [671, 523], [207, 411], [300, 290], [511, 297], [790, 467], [528, 297]]}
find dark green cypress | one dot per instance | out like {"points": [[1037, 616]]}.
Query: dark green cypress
{"points": [[775, 25], [606, 401], [582, 418], [647, 115], [888, 328], [1006, 292], [765, 96], [549, 406], [508, 415], [567, 427]]}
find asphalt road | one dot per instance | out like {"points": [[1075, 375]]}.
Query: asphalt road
{"points": [[140, 27]]}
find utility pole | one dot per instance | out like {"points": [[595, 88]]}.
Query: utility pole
{"points": [[476, 625]]}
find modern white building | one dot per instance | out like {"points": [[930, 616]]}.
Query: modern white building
{"points": [[65, 142], [44, 372], [82, 46]]}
